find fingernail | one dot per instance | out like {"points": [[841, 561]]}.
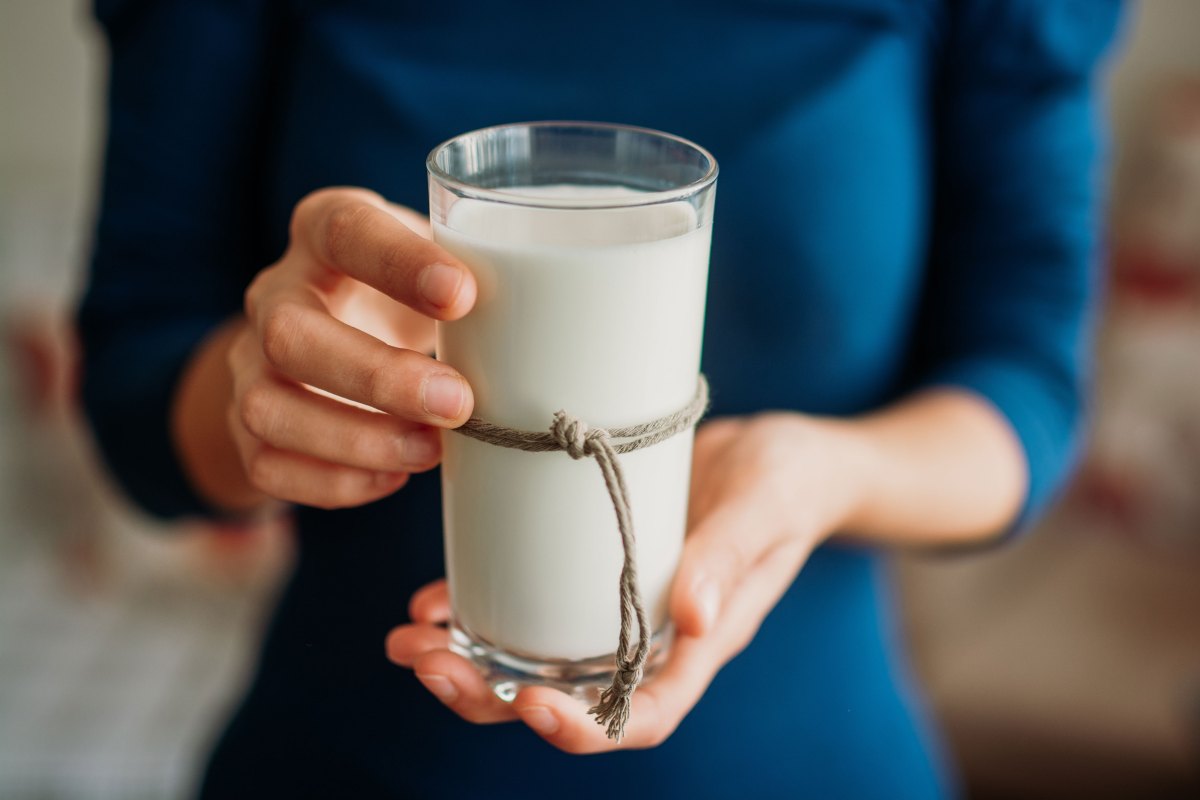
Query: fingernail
{"points": [[708, 602], [440, 687], [443, 395], [439, 284], [421, 447], [540, 718]]}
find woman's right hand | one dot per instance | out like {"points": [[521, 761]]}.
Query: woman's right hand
{"points": [[348, 311]]}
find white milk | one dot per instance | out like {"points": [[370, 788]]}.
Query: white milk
{"points": [[600, 313]]}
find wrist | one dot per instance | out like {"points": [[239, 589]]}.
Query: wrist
{"points": [[851, 467], [830, 472], [857, 466], [941, 467], [199, 429]]}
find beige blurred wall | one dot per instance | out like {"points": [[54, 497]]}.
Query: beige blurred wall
{"points": [[1162, 37], [49, 81], [51, 84]]}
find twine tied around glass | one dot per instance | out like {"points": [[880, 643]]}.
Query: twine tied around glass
{"points": [[577, 439]]}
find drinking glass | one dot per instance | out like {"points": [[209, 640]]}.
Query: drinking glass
{"points": [[589, 244]]}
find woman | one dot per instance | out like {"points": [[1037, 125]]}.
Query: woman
{"points": [[899, 296]]}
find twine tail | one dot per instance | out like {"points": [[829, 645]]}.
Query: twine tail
{"points": [[615, 701], [613, 709]]}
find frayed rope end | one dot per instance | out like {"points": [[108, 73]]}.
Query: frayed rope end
{"points": [[616, 700], [613, 712]]}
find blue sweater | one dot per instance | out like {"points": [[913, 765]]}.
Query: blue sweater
{"points": [[907, 198]]}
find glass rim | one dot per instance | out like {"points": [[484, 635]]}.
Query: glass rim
{"points": [[468, 189]]}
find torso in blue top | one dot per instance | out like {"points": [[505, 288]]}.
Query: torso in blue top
{"points": [[904, 199]]}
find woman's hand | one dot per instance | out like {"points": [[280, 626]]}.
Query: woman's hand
{"points": [[765, 491], [346, 315]]}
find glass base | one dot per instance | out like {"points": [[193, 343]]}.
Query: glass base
{"points": [[507, 672]]}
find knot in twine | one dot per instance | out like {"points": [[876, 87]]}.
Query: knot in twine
{"points": [[574, 437]]}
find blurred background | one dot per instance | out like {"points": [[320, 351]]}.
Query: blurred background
{"points": [[1067, 665]]}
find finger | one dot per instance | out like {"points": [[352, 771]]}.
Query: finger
{"points": [[457, 683], [287, 416], [658, 705], [716, 554], [375, 313], [301, 340], [430, 603], [406, 643], [296, 478], [355, 232], [755, 596]]}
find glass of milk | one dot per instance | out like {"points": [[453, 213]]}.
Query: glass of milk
{"points": [[589, 243]]}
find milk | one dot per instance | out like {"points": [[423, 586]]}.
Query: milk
{"points": [[598, 312]]}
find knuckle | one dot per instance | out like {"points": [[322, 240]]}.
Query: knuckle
{"points": [[471, 714], [397, 273], [381, 386], [365, 446], [307, 210], [260, 471], [256, 407], [574, 747], [345, 489], [415, 606], [344, 223], [279, 327], [258, 290]]}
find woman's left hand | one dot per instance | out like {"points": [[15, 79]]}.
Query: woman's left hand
{"points": [[765, 491]]}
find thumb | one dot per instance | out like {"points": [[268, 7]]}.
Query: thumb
{"points": [[719, 550]]}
